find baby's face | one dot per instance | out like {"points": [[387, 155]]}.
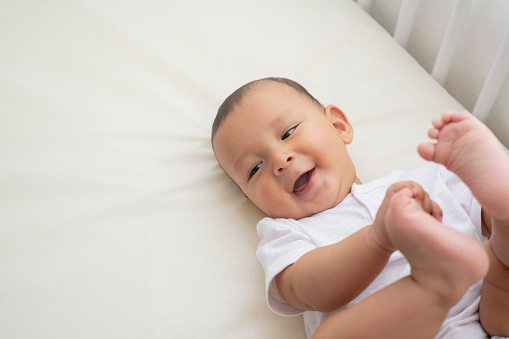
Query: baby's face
{"points": [[286, 153]]}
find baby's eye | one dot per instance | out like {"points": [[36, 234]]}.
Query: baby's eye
{"points": [[254, 170], [288, 133]]}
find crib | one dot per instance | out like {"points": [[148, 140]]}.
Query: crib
{"points": [[116, 221]]}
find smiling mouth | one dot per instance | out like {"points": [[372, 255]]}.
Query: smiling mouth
{"points": [[302, 182]]}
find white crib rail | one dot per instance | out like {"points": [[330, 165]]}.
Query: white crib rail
{"points": [[366, 4], [450, 41], [445, 56], [405, 21], [494, 81]]}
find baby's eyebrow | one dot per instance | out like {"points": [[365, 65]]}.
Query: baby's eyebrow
{"points": [[279, 118]]}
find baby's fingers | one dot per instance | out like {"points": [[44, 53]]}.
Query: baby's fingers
{"points": [[428, 205], [436, 211]]}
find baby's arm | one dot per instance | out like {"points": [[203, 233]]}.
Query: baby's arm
{"points": [[329, 277]]}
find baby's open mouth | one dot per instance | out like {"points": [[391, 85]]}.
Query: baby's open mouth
{"points": [[301, 183]]}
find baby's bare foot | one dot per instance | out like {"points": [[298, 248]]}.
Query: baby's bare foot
{"points": [[468, 148], [445, 261]]}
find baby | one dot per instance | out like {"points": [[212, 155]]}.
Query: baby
{"points": [[370, 260]]}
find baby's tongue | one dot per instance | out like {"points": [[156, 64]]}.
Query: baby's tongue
{"points": [[301, 183]]}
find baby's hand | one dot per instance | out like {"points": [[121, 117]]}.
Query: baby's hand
{"points": [[418, 193]]}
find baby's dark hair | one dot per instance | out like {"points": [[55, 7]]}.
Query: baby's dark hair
{"points": [[236, 97]]}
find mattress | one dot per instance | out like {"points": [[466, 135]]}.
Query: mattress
{"points": [[115, 220]]}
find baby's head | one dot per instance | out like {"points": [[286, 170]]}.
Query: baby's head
{"points": [[285, 151]]}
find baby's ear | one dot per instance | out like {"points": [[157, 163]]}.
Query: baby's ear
{"points": [[340, 122]]}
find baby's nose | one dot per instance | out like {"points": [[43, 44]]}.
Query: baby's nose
{"points": [[283, 163]]}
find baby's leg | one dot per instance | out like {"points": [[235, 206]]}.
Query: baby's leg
{"points": [[468, 148], [445, 263], [494, 307]]}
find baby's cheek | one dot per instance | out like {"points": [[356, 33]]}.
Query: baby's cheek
{"points": [[263, 198]]}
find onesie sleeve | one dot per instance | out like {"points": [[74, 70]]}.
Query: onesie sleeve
{"points": [[282, 243]]}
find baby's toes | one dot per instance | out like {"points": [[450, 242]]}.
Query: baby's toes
{"points": [[438, 122], [427, 151], [433, 133]]}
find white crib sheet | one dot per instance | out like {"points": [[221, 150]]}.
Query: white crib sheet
{"points": [[115, 221]]}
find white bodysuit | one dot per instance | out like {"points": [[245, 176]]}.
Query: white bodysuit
{"points": [[283, 241]]}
